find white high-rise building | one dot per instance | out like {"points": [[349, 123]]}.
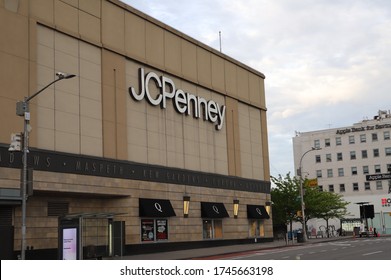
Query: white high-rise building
{"points": [[354, 161]]}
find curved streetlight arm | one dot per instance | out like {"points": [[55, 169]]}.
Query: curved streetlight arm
{"points": [[301, 159], [60, 76]]}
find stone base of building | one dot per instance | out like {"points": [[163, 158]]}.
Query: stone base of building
{"points": [[136, 249]]}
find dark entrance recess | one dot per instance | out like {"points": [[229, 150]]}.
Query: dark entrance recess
{"points": [[118, 238], [6, 233]]}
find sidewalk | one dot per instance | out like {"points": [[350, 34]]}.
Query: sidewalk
{"points": [[222, 250]]}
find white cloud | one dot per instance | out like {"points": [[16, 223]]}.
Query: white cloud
{"points": [[327, 63]]}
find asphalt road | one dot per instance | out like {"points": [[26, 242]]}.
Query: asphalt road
{"points": [[352, 249]]}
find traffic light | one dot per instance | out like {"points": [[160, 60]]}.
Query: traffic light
{"points": [[367, 211], [21, 108], [16, 142]]}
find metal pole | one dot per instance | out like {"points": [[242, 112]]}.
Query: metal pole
{"points": [[302, 207], [24, 179], [26, 114], [389, 181], [302, 194], [220, 40]]}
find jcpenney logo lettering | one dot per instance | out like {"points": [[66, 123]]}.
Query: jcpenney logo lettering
{"points": [[183, 102]]}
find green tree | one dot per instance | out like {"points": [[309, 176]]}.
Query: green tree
{"points": [[285, 196], [286, 200], [324, 205]]}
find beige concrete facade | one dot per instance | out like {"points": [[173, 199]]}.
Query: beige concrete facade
{"points": [[105, 43]]}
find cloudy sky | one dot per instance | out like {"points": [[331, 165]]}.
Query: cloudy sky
{"points": [[327, 62]]}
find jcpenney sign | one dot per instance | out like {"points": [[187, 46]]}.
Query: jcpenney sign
{"points": [[183, 102]]}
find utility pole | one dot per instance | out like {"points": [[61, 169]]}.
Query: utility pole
{"points": [[302, 192], [23, 110]]}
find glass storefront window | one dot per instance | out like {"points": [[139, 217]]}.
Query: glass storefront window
{"points": [[212, 229], [218, 228], [256, 228], [147, 230], [161, 230], [154, 230], [207, 229]]}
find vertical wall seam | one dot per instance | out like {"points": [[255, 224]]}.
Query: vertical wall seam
{"points": [[115, 113]]}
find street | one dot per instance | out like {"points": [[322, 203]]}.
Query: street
{"points": [[352, 249]]}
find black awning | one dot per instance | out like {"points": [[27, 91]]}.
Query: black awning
{"points": [[257, 212], [155, 208], [213, 210], [9, 196]]}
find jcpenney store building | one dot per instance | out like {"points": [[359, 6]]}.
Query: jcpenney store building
{"points": [[158, 143]]}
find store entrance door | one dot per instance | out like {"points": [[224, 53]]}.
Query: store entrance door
{"points": [[90, 236], [118, 238]]}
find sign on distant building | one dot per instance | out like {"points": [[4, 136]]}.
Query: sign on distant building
{"points": [[313, 182], [386, 202], [376, 177]]}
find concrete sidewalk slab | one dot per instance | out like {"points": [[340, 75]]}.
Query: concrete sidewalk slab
{"points": [[222, 250]]}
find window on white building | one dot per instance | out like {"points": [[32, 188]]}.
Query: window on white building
{"points": [[375, 152], [318, 173], [351, 139], [367, 186], [386, 135], [355, 187], [341, 187], [321, 188], [364, 154], [339, 156], [317, 144], [374, 137], [340, 172], [354, 170], [365, 169], [338, 141], [352, 155], [331, 188], [328, 157], [379, 185], [327, 142], [329, 173], [363, 138], [377, 168], [318, 159], [388, 151]]}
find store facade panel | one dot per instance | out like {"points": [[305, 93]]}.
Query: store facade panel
{"points": [[153, 125]]}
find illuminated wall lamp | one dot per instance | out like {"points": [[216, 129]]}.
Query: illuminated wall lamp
{"points": [[268, 207], [236, 208], [186, 205]]}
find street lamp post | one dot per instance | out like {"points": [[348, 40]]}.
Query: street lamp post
{"points": [[302, 193], [22, 109]]}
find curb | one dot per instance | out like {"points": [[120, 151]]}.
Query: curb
{"points": [[227, 254]]}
